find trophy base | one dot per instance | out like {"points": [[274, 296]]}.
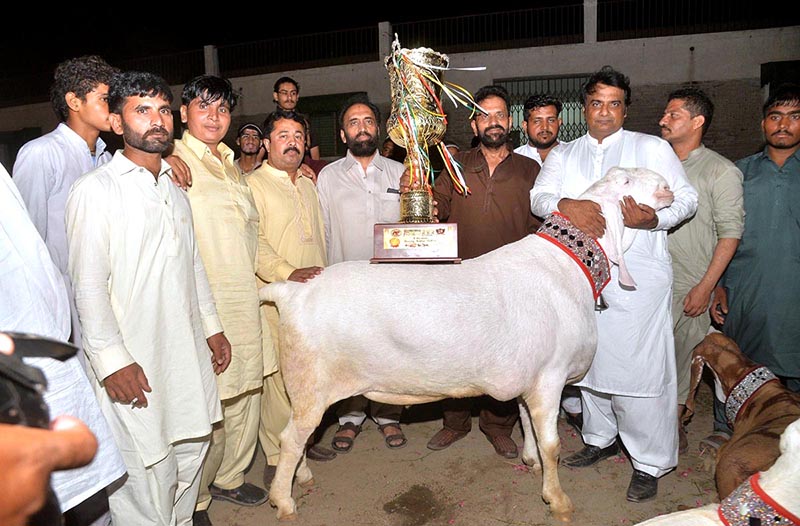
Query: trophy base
{"points": [[415, 243]]}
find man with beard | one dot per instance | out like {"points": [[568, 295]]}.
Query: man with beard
{"points": [[630, 388], [356, 192], [291, 246], [496, 213], [542, 122], [150, 329], [248, 139], [760, 290], [702, 246]]}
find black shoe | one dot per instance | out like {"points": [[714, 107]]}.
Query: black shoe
{"points": [[320, 454], [245, 495], [590, 455], [642, 487], [269, 474], [201, 518]]}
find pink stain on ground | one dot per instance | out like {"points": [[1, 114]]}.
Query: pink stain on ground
{"points": [[522, 467], [619, 460], [461, 504]]}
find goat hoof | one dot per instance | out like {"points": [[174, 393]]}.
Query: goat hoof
{"points": [[288, 518], [563, 517], [306, 483]]}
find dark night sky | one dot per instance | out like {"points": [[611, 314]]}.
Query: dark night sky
{"points": [[119, 30]]}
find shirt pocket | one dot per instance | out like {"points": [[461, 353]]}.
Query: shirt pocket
{"points": [[389, 211]]}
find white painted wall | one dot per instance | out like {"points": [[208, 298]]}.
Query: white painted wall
{"points": [[665, 60]]}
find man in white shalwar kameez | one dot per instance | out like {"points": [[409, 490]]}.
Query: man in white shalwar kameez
{"points": [[33, 299], [149, 322], [630, 388]]}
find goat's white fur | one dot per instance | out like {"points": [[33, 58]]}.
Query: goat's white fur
{"points": [[516, 322]]}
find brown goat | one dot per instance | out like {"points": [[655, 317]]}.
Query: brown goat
{"points": [[761, 420]]}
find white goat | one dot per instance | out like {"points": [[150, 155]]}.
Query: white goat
{"points": [[781, 483], [516, 322]]}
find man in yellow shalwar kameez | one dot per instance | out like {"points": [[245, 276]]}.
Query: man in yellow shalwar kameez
{"points": [[291, 238]]}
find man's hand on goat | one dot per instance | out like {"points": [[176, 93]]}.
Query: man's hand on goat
{"points": [[302, 275], [586, 215], [635, 215], [220, 352]]}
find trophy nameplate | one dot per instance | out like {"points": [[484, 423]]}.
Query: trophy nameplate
{"points": [[415, 243]]}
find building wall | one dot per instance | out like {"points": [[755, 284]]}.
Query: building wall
{"points": [[728, 65]]}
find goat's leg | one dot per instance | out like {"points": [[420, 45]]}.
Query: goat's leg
{"points": [[293, 442], [543, 407], [529, 454]]}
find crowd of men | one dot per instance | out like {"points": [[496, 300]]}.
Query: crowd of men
{"points": [[150, 261]]}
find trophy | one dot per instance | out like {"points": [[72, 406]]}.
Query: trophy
{"points": [[417, 123]]}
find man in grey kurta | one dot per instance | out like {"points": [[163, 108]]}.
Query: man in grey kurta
{"points": [[702, 246], [762, 286]]}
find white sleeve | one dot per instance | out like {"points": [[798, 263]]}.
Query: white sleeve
{"points": [[35, 174], [546, 192], [88, 218], [685, 195]]}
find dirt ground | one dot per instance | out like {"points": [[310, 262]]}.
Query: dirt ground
{"points": [[469, 485]]}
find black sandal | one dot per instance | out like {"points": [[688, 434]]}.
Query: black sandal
{"points": [[348, 441], [388, 439]]}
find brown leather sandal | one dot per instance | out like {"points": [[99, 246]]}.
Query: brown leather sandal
{"points": [[347, 441], [391, 439]]}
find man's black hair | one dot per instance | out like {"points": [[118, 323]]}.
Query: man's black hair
{"points": [[610, 77], [696, 103], [209, 88], [136, 84], [540, 101], [358, 99], [80, 76]]}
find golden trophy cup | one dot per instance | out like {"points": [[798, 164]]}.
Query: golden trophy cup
{"points": [[418, 122]]}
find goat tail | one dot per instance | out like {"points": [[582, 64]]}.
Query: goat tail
{"points": [[273, 292]]}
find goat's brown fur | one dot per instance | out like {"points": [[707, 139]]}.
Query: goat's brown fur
{"points": [[754, 445]]}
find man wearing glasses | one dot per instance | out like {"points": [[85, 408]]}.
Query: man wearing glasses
{"points": [[286, 94]]}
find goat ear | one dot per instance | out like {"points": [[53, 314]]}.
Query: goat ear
{"points": [[612, 241]]}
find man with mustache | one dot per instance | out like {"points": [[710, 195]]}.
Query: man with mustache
{"points": [[760, 290], [542, 122], [150, 328], [702, 246], [291, 246], [496, 213], [356, 192], [629, 389], [226, 225]]}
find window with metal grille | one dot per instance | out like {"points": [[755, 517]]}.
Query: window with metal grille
{"points": [[567, 89]]}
